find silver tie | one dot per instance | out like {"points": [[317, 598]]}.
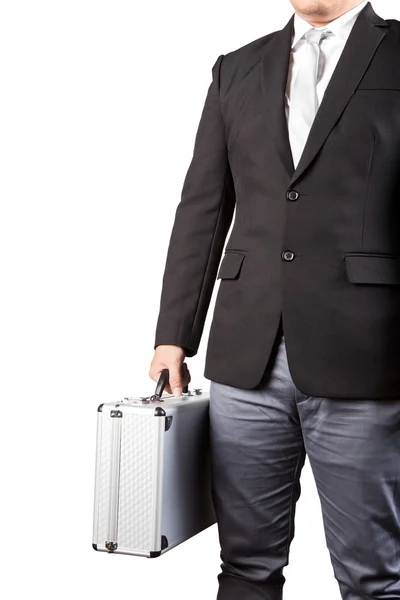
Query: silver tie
{"points": [[304, 99]]}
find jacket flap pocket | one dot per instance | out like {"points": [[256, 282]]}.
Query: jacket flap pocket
{"points": [[230, 265], [370, 268]]}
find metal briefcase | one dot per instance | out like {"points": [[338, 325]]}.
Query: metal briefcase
{"points": [[152, 475]]}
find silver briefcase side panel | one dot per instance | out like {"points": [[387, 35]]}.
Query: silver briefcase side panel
{"points": [[152, 477]]}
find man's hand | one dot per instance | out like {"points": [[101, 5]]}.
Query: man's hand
{"points": [[171, 358]]}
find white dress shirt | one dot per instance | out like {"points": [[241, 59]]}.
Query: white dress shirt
{"points": [[331, 49]]}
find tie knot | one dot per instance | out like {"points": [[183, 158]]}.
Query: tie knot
{"points": [[316, 35]]}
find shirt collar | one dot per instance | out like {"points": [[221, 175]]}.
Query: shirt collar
{"points": [[340, 26]]}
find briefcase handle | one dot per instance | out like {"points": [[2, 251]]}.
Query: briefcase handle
{"points": [[162, 382]]}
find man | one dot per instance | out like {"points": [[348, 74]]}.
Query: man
{"points": [[300, 134]]}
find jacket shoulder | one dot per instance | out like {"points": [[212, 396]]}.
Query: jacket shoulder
{"points": [[394, 26], [238, 63], [252, 48], [394, 23], [393, 31]]}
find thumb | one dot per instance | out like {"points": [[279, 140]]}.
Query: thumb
{"points": [[175, 381]]}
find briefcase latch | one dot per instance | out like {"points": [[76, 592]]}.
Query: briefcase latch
{"points": [[152, 398]]}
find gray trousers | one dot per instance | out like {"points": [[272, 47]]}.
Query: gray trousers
{"points": [[259, 439]]}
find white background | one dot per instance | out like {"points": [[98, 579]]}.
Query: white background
{"points": [[99, 105]]}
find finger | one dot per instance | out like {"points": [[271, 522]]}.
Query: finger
{"points": [[175, 380]]}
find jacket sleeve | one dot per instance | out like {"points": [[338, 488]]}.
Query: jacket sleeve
{"points": [[202, 221]]}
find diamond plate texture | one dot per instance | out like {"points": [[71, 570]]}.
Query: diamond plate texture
{"points": [[137, 485], [104, 478]]}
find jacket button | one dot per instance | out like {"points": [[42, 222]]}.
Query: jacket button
{"points": [[287, 255], [292, 195]]}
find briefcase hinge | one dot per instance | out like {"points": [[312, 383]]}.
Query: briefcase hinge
{"points": [[116, 413], [111, 546], [152, 398]]}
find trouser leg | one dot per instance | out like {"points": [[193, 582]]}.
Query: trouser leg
{"points": [[354, 452], [257, 454]]}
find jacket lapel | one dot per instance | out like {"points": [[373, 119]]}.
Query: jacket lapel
{"points": [[364, 39], [275, 66]]}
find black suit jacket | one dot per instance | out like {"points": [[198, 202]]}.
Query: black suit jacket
{"points": [[318, 246]]}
